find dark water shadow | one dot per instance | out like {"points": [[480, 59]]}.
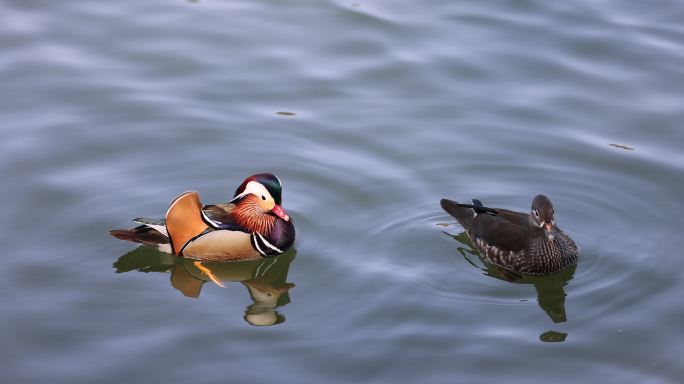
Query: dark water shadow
{"points": [[550, 289], [265, 280]]}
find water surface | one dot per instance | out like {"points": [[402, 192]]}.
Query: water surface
{"points": [[370, 112]]}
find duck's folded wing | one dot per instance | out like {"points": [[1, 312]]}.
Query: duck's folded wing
{"points": [[498, 232], [514, 217], [219, 216]]}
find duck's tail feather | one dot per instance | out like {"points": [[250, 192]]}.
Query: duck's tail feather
{"points": [[464, 212], [464, 215], [141, 234], [158, 225]]}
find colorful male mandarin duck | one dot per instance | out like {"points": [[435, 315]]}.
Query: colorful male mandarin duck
{"points": [[252, 225], [526, 243]]}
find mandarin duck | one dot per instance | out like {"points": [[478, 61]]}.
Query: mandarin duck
{"points": [[525, 243], [253, 225]]}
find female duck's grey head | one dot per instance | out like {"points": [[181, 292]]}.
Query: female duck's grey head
{"points": [[543, 216]]}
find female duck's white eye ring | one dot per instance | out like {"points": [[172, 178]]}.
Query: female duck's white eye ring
{"points": [[536, 213]]}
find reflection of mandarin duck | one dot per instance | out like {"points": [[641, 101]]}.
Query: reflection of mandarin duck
{"points": [[266, 298], [265, 279], [253, 225], [527, 243]]}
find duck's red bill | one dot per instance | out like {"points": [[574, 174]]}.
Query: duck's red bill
{"points": [[280, 212]]}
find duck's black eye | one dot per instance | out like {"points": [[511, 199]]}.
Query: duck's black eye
{"points": [[536, 213], [263, 197]]}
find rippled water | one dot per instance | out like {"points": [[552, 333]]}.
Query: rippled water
{"points": [[370, 112]]}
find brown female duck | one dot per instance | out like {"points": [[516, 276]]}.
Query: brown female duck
{"points": [[527, 243]]}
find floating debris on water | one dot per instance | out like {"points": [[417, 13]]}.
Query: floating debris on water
{"points": [[443, 224], [285, 113], [622, 147], [553, 337]]}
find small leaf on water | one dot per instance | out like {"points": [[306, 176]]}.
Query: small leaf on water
{"points": [[285, 113], [622, 147]]}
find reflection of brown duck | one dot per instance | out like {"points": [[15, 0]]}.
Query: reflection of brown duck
{"points": [[550, 289], [265, 279]]}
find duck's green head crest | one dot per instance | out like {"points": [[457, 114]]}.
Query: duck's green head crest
{"points": [[269, 181]]}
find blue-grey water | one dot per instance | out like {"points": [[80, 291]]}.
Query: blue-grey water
{"points": [[370, 111]]}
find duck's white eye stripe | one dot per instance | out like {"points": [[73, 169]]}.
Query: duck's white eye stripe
{"points": [[254, 188], [536, 213], [238, 196]]}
